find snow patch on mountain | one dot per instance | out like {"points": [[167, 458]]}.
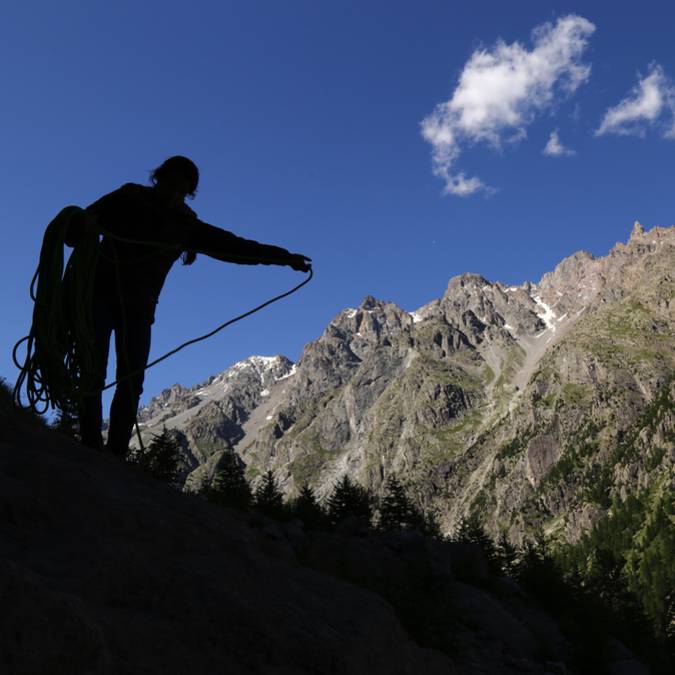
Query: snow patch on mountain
{"points": [[290, 373], [548, 316]]}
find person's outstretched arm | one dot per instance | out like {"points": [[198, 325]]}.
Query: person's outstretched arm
{"points": [[223, 245]]}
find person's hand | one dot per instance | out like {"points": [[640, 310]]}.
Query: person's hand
{"points": [[300, 263]]}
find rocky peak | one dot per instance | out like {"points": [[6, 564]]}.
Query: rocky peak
{"points": [[369, 302], [573, 284], [373, 321], [637, 230], [167, 398], [467, 279], [470, 301], [465, 289], [569, 272], [643, 241], [252, 375], [267, 368]]}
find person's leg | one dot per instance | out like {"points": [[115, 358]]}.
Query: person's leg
{"points": [[132, 346], [90, 409]]}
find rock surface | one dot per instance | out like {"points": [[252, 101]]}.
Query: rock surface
{"points": [[104, 570]]}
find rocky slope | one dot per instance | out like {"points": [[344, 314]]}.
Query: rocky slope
{"points": [[218, 413], [532, 406], [104, 570]]}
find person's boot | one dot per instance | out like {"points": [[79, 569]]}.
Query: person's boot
{"points": [[118, 449], [93, 440], [94, 444]]}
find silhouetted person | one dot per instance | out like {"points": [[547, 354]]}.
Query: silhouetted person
{"points": [[148, 229]]}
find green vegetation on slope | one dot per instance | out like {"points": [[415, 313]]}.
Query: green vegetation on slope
{"points": [[637, 540]]}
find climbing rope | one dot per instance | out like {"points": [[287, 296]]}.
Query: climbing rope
{"points": [[206, 336], [61, 343]]}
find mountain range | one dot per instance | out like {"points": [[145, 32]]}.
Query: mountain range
{"points": [[532, 407]]}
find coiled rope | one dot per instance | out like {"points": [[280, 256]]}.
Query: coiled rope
{"points": [[60, 344]]}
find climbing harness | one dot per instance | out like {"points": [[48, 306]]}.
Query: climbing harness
{"points": [[60, 346]]}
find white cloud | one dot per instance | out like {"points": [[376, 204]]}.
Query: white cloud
{"points": [[499, 93], [554, 148], [648, 101]]}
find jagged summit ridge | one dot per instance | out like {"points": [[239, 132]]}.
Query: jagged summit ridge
{"points": [[637, 230], [212, 414], [431, 394]]}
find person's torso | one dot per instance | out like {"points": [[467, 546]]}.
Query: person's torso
{"points": [[139, 246]]}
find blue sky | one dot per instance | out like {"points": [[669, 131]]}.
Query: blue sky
{"points": [[306, 120]]}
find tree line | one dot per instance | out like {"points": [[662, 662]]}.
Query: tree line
{"points": [[584, 586], [347, 501]]}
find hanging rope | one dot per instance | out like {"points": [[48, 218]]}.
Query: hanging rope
{"points": [[62, 318]]}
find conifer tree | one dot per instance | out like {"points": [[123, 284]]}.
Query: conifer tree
{"points": [[537, 571], [506, 555], [268, 497], [307, 508], [348, 500], [430, 525], [396, 510], [229, 486], [470, 531], [161, 458]]}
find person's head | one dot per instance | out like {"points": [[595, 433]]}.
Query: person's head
{"points": [[175, 179], [177, 176]]}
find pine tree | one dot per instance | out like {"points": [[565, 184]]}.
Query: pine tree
{"points": [[537, 571], [268, 497], [470, 531], [348, 500], [506, 555], [430, 525], [229, 486], [396, 510], [161, 458], [307, 508]]}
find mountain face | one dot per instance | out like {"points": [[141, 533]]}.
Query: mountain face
{"points": [[212, 416], [532, 406]]}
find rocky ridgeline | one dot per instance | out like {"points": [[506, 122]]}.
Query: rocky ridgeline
{"points": [[243, 383], [210, 416], [505, 401]]}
